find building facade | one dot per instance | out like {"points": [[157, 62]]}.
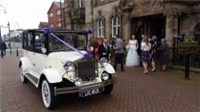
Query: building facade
{"points": [[163, 18], [43, 25], [56, 15]]}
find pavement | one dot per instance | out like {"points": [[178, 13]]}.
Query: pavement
{"points": [[133, 92]]}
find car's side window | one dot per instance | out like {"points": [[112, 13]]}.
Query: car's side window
{"points": [[29, 44], [24, 40], [39, 42]]}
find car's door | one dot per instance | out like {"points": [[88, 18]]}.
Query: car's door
{"points": [[28, 48], [33, 42], [39, 58]]}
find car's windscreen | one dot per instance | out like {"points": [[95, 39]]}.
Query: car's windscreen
{"points": [[75, 40]]}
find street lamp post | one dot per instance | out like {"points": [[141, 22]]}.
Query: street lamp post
{"points": [[4, 10]]}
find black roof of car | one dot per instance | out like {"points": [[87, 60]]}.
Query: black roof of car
{"points": [[57, 30]]}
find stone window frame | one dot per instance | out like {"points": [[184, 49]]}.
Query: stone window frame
{"points": [[118, 26], [102, 28]]}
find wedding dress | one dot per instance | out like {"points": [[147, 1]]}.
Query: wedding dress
{"points": [[132, 58]]}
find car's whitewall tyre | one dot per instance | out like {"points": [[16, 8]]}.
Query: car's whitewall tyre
{"points": [[47, 94], [22, 77]]}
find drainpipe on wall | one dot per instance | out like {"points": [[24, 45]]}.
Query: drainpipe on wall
{"points": [[61, 17]]}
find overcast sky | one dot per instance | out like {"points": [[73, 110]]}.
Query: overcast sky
{"points": [[25, 14]]}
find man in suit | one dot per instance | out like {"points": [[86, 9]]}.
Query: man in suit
{"points": [[104, 49], [119, 52]]}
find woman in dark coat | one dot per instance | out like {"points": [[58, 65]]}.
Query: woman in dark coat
{"points": [[3, 48], [164, 54]]}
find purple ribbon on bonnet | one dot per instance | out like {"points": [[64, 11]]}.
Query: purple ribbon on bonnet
{"points": [[47, 31]]}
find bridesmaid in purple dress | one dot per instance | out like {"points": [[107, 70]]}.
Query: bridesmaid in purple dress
{"points": [[146, 55]]}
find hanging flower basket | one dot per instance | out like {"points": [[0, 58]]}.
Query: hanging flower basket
{"points": [[188, 48]]}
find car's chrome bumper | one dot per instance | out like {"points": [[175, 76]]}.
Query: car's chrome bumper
{"points": [[76, 89]]}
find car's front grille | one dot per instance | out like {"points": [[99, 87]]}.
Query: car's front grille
{"points": [[86, 70]]}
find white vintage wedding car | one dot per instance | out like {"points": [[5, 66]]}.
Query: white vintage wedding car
{"points": [[57, 62]]}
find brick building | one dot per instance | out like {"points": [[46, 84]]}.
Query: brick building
{"points": [[43, 25], [163, 18], [56, 15]]}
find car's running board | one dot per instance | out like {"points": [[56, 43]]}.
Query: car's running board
{"points": [[34, 80]]}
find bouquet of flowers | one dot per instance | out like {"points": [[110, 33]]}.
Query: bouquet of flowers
{"points": [[127, 47]]}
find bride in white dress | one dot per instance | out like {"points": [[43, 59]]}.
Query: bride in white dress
{"points": [[132, 58]]}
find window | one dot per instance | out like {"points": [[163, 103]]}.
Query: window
{"points": [[115, 26], [51, 25], [51, 14], [39, 42], [80, 3], [78, 41], [100, 28], [28, 41], [58, 12], [59, 24], [24, 40]]}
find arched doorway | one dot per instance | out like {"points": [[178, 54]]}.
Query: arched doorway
{"points": [[197, 32]]}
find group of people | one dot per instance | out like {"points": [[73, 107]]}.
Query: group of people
{"points": [[146, 53], [117, 47], [3, 48], [151, 53]]}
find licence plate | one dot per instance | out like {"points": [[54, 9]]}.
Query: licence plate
{"points": [[90, 92]]}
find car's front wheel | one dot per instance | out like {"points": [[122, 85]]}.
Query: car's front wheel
{"points": [[22, 77], [48, 97], [108, 89]]}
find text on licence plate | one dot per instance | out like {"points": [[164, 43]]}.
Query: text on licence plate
{"points": [[90, 92]]}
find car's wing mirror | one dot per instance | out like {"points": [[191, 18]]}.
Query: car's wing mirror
{"points": [[44, 50]]}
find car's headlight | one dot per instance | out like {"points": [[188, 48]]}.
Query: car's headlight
{"points": [[78, 81], [69, 66], [103, 62], [105, 76]]}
